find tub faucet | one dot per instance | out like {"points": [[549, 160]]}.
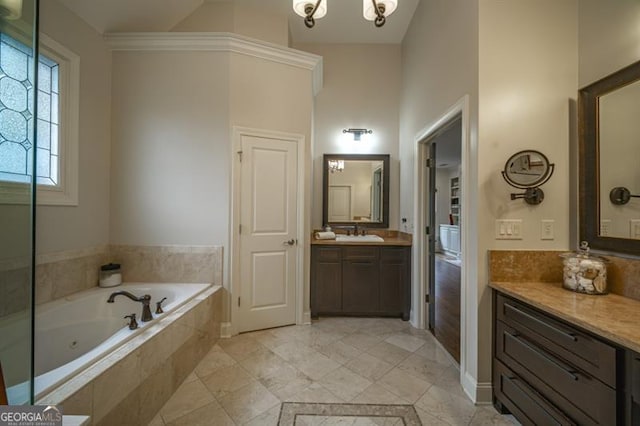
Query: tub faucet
{"points": [[146, 311]]}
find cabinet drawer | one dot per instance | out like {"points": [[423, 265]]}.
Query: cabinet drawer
{"points": [[392, 255], [590, 354], [360, 253], [521, 399], [563, 382], [328, 254]]}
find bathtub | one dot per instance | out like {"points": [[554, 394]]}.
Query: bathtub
{"points": [[79, 330]]}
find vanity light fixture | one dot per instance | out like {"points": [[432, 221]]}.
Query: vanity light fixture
{"points": [[11, 9], [357, 133], [372, 10], [336, 165]]}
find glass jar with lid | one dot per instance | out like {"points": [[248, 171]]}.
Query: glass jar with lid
{"points": [[583, 272], [110, 275]]}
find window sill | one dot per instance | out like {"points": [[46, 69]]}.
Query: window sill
{"points": [[20, 193]]}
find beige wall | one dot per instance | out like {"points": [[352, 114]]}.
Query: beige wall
{"points": [[520, 80], [439, 67], [253, 20], [172, 144], [608, 41], [527, 77], [87, 224], [361, 89], [170, 148], [608, 34], [271, 96]]}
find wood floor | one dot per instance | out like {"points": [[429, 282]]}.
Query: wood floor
{"points": [[447, 306]]}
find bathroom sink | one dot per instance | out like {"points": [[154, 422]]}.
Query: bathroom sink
{"points": [[360, 238]]}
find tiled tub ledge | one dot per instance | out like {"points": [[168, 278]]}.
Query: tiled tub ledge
{"points": [[131, 384]]}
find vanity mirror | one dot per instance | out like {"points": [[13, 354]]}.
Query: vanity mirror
{"points": [[528, 170], [609, 154], [355, 189]]}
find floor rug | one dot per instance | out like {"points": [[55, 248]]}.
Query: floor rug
{"points": [[316, 414]]}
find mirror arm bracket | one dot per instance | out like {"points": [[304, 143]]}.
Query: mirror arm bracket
{"points": [[621, 196], [531, 196]]}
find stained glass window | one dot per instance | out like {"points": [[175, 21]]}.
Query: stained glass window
{"points": [[17, 123]]}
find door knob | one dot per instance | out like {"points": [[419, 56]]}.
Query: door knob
{"points": [[290, 242]]}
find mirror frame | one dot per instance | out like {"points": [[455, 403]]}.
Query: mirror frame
{"points": [[385, 158], [589, 167]]}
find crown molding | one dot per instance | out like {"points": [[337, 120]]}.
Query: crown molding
{"points": [[219, 42]]}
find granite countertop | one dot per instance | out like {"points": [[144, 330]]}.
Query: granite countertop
{"points": [[391, 238], [613, 317]]}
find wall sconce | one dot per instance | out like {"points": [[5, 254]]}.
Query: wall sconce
{"points": [[336, 165], [372, 10], [357, 133], [528, 170], [11, 9]]}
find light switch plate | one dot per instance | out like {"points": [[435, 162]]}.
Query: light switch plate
{"points": [[605, 227], [547, 229], [635, 229], [508, 229]]}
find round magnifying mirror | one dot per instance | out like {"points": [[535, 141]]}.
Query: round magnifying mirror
{"points": [[527, 169]]}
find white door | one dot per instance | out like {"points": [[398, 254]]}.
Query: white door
{"points": [[339, 203], [268, 218]]}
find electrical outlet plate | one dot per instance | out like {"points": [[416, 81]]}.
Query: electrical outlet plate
{"points": [[547, 229], [508, 229]]}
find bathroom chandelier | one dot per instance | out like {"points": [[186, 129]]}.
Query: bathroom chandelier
{"points": [[336, 165], [372, 10]]}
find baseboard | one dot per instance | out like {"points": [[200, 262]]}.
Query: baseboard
{"points": [[306, 318], [480, 393], [227, 330]]}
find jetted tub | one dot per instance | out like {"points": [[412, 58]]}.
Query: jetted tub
{"points": [[80, 329]]}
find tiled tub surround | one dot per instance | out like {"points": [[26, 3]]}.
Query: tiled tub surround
{"points": [[63, 273], [623, 274], [131, 384], [185, 264]]}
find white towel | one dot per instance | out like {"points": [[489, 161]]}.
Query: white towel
{"points": [[325, 235]]}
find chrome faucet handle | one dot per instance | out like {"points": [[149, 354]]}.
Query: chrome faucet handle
{"points": [[159, 306], [133, 324]]}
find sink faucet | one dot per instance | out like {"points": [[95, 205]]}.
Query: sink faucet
{"points": [[355, 229], [146, 311]]}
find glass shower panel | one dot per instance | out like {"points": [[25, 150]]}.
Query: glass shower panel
{"points": [[17, 83]]}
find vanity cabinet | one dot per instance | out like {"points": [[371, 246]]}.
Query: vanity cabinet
{"points": [[360, 280], [546, 371]]}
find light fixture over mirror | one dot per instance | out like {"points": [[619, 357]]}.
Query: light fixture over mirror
{"points": [[372, 10], [357, 133]]}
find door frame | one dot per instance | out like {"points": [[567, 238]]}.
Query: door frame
{"points": [[469, 262], [234, 218]]}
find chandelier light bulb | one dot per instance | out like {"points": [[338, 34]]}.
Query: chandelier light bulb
{"points": [[302, 6], [369, 11]]}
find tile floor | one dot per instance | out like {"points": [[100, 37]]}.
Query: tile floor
{"points": [[243, 380]]}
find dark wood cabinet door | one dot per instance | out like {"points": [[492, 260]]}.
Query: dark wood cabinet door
{"points": [[329, 287], [326, 280], [360, 286], [392, 280]]}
